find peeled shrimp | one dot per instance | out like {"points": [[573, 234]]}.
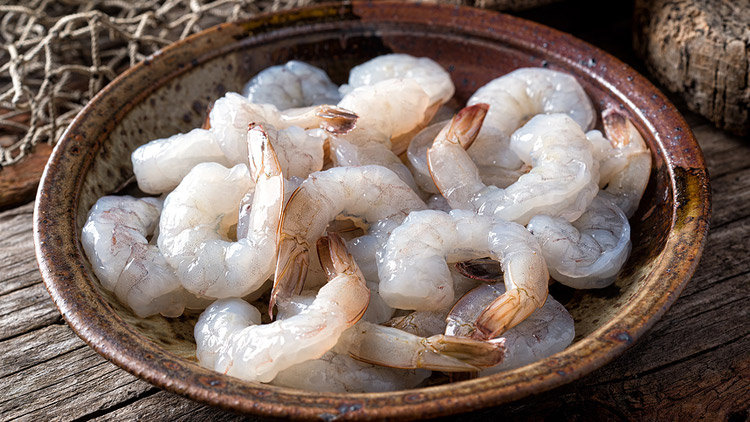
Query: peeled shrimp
{"points": [[514, 99], [194, 231], [548, 330], [589, 252], [414, 272], [232, 113], [339, 373], [624, 160], [430, 76], [160, 165], [292, 85], [230, 341], [394, 348], [371, 193], [562, 182], [115, 239]]}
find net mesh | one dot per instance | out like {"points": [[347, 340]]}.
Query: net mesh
{"points": [[57, 54]]}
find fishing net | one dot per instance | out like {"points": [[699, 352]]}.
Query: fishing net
{"points": [[57, 54]]}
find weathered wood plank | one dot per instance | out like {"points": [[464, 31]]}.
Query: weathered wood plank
{"points": [[25, 310], [64, 388], [17, 259], [36, 347], [166, 406]]}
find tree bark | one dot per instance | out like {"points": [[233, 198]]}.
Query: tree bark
{"points": [[699, 49]]}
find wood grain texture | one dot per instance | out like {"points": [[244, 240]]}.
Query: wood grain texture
{"points": [[698, 49]]}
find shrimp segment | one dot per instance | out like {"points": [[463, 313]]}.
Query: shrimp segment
{"points": [[548, 330], [294, 84], [200, 212], [589, 252], [414, 273], [115, 239], [562, 182], [372, 193], [259, 352]]}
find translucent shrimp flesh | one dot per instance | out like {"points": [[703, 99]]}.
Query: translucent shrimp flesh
{"points": [[372, 193], [589, 252], [160, 165], [340, 373], [230, 341], [548, 330], [292, 85], [514, 99], [562, 181], [431, 77], [115, 239], [414, 273], [199, 215], [231, 115]]}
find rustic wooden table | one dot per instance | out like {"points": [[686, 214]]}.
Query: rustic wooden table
{"points": [[693, 364]]}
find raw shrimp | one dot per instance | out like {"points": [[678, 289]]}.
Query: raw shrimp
{"points": [[514, 99], [430, 76], [430, 323], [339, 373], [372, 193], [199, 213], [549, 330], [624, 160], [346, 154], [394, 348], [230, 341], [160, 165], [562, 182], [390, 112], [414, 273], [115, 238], [292, 85], [589, 252], [232, 113]]}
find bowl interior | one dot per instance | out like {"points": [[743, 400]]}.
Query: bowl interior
{"points": [[169, 94]]}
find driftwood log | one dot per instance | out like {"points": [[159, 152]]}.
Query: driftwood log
{"points": [[700, 49]]}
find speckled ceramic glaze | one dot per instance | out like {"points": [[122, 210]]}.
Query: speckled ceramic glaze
{"points": [[169, 92]]}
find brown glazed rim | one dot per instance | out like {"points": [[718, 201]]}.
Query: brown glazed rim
{"points": [[71, 286]]}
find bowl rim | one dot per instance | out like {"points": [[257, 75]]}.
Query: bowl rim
{"points": [[70, 285]]}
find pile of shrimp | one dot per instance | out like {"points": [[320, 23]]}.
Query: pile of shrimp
{"points": [[342, 211]]}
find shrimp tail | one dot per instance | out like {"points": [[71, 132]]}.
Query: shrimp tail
{"points": [[207, 121], [336, 120], [504, 313], [336, 260], [617, 127], [466, 124], [291, 270], [473, 352]]}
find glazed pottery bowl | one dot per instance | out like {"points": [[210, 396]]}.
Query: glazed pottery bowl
{"points": [[169, 92]]}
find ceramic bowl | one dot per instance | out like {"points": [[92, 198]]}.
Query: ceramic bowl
{"points": [[168, 93]]}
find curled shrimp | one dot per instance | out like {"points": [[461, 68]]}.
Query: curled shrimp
{"points": [[161, 164], [562, 181], [388, 346], [232, 113], [514, 99], [624, 160], [430, 76], [115, 238], [292, 85], [548, 330], [372, 193], [230, 341], [199, 214], [414, 273], [589, 252]]}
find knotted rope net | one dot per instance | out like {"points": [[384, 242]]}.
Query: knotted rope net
{"points": [[55, 55]]}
